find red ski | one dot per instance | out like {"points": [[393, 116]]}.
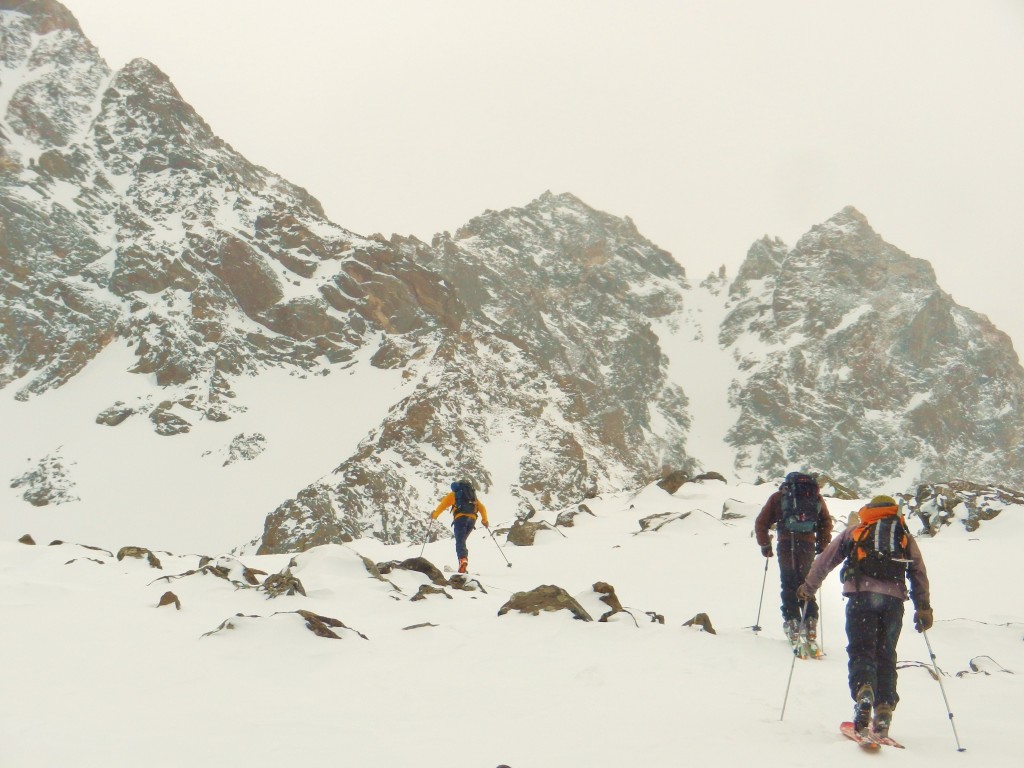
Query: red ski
{"points": [[889, 742], [864, 742]]}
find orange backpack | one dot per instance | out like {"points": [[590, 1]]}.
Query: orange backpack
{"points": [[878, 548]]}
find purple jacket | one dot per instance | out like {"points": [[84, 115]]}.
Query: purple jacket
{"points": [[834, 554]]}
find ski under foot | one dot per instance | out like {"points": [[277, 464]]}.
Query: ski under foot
{"points": [[805, 649], [888, 741], [864, 742]]}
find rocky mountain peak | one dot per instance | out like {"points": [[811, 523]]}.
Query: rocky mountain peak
{"points": [[56, 72], [854, 333], [44, 16], [546, 350]]}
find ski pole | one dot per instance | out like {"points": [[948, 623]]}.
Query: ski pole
{"points": [[757, 624], [821, 624], [426, 536], [803, 617], [942, 688], [498, 546]]}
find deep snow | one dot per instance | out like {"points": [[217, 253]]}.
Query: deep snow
{"points": [[96, 674]]}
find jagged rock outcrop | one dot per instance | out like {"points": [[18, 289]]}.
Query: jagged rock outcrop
{"points": [[853, 361], [937, 505]]}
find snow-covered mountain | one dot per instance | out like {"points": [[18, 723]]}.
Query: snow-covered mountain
{"points": [[180, 325]]}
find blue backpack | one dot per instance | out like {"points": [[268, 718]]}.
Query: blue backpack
{"points": [[465, 498], [801, 503]]}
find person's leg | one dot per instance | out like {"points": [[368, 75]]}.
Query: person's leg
{"points": [[803, 556], [890, 626], [461, 534], [862, 623], [790, 579]]}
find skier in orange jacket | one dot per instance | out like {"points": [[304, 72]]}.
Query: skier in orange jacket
{"points": [[465, 506]]}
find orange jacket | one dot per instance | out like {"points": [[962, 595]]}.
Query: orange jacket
{"points": [[449, 501]]}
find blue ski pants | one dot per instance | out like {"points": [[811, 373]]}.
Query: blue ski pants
{"points": [[463, 526]]}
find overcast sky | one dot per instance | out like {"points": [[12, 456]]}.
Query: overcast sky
{"points": [[709, 123]]}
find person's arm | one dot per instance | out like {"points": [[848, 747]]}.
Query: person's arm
{"points": [[765, 520], [446, 502], [920, 592], [824, 563], [483, 512], [824, 531]]}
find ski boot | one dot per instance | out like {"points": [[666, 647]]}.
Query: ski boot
{"points": [[792, 629], [883, 719], [863, 703], [463, 564], [812, 638]]}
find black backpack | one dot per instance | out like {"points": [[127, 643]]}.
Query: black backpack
{"points": [[879, 550], [465, 498], [801, 503]]}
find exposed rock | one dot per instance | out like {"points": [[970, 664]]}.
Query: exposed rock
{"points": [[26, 539], [245, 447], [656, 522], [139, 553], [115, 414], [285, 583], [566, 518], [466, 583], [427, 589], [167, 423], [324, 626], [418, 564], [710, 476], [609, 598], [835, 489], [251, 576], [672, 480], [169, 598], [938, 505], [48, 483], [701, 620], [544, 598], [524, 532]]}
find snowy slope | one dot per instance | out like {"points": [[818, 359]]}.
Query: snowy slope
{"points": [[104, 677]]}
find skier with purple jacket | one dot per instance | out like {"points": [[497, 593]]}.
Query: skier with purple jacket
{"points": [[879, 556]]}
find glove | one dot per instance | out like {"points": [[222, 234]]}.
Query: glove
{"points": [[804, 594], [766, 550], [923, 619]]}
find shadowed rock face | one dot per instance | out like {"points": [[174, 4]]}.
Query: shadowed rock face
{"points": [[874, 372]]}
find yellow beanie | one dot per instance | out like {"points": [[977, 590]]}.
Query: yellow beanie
{"points": [[882, 501]]}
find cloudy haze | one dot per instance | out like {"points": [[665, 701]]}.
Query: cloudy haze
{"points": [[710, 124]]}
